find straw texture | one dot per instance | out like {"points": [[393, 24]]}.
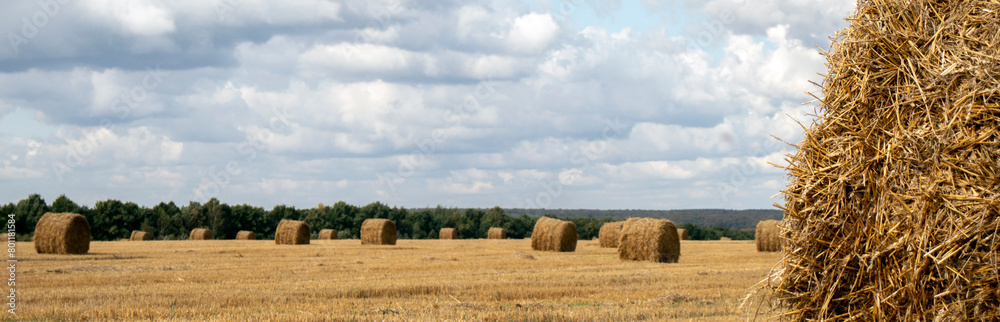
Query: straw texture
{"points": [[378, 232], [291, 232], [610, 233], [327, 234], [554, 235], [892, 207], [62, 233], [648, 239]]}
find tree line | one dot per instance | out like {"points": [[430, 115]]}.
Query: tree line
{"points": [[113, 219]]}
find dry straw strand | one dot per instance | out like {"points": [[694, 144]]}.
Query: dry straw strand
{"points": [[328, 234], [891, 211], [768, 236], [448, 233], [554, 235], [246, 235], [62, 233], [496, 233], [377, 231], [648, 239], [610, 233], [291, 232], [138, 235], [200, 234]]}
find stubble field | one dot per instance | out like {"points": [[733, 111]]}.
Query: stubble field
{"points": [[415, 280]]}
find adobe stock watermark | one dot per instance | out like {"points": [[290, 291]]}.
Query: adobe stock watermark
{"points": [[381, 16], [426, 147], [30, 27], [583, 159], [218, 180], [12, 263], [123, 104]]}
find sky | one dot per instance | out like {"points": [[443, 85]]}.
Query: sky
{"points": [[599, 104]]}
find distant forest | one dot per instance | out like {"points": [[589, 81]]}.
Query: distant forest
{"points": [[113, 219], [732, 219]]}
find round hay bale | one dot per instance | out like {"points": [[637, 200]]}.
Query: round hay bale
{"points": [[328, 234], [200, 234], [683, 234], [62, 233], [648, 239], [291, 232], [768, 236], [378, 231], [554, 235], [724, 238], [891, 208], [496, 233], [610, 233], [138, 235], [448, 233], [245, 235]]}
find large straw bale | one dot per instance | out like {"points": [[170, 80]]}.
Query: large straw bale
{"points": [[610, 233], [648, 239], [496, 233], [245, 235], [891, 211], [554, 235], [683, 234], [768, 236], [378, 232], [448, 233], [200, 234], [62, 233], [291, 232], [328, 234], [138, 235]]}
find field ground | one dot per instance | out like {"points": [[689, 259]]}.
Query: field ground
{"points": [[414, 280]]}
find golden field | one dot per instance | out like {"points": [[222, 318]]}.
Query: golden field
{"points": [[421, 280]]}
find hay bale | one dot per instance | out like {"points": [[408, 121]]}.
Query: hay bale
{"points": [[291, 232], [610, 233], [648, 239], [139, 235], [328, 234], [245, 235], [496, 233], [724, 238], [200, 234], [683, 234], [891, 206], [448, 233], [554, 235], [377, 231], [768, 236], [62, 233]]}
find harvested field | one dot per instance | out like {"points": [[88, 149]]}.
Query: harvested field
{"points": [[343, 280]]}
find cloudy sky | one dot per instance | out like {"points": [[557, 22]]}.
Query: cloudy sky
{"points": [[651, 104]]}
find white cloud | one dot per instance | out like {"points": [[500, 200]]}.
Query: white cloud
{"points": [[532, 32], [469, 104], [135, 17]]}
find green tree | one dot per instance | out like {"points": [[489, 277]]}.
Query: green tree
{"points": [[111, 219], [220, 219], [343, 219], [170, 225], [28, 211], [194, 216], [494, 217], [63, 204]]}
